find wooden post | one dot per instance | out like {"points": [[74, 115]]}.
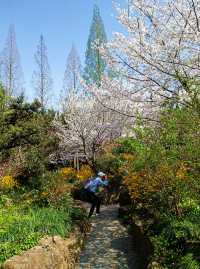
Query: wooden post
{"points": [[77, 160]]}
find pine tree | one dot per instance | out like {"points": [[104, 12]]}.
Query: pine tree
{"points": [[72, 73], [42, 80], [94, 64], [11, 71]]}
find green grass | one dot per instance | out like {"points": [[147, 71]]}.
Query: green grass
{"points": [[21, 227]]}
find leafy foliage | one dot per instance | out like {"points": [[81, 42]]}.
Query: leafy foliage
{"points": [[22, 226], [26, 138], [160, 169], [33, 200]]}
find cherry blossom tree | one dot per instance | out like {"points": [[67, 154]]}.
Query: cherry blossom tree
{"points": [[156, 58], [86, 126], [155, 62]]}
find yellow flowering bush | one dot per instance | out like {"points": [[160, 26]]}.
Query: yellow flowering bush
{"points": [[67, 173], [84, 173], [148, 181], [133, 183], [7, 182]]}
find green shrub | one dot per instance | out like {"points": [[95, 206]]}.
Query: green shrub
{"points": [[32, 168], [188, 262], [22, 226], [26, 139], [160, 169]]}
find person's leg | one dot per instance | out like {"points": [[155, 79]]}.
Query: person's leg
{"points": [[88, 197], [98, 204], [93, 204]]}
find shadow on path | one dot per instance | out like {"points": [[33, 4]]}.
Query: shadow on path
{"points": [[108, 245]]}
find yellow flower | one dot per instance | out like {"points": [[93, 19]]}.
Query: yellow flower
{"points": [[67, 173], [44, 194], [133, 182], [182, 172], [7, 182], [84, 173]]}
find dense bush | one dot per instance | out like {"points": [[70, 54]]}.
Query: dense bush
{"points": [[26, 139], [33, 200], [160, 168]]}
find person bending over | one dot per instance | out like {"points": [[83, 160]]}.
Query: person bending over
{"points": [[91, 191]]}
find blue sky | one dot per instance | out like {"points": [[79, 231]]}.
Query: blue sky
{"points": [[60, 21]]}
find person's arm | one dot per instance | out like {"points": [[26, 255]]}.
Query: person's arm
{"points": [[103, 182]]}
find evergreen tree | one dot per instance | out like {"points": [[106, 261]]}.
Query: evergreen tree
{"points": [[11, 71], [94, 64], [42, 80]]}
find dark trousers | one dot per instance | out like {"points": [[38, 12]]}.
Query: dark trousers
{"points": [[95, 202]]}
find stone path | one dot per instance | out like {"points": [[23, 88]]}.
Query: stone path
{"points": [[108, 245]]}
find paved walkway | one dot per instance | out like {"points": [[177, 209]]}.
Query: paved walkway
{"points": [[108, 245]]}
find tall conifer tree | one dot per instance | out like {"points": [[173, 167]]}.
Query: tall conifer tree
{"points": [[11, 71], [94, 64], [42, 80], [71, 81], [72, 72]]}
